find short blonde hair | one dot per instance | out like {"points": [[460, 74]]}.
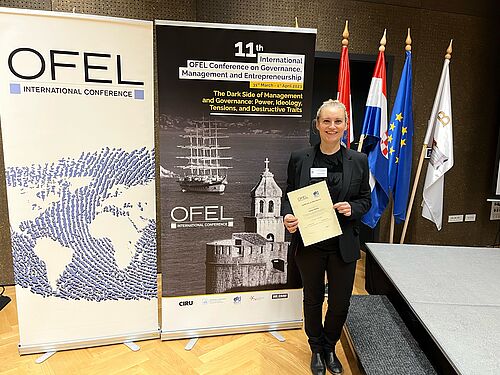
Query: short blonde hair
{"points": [[334, 104]]}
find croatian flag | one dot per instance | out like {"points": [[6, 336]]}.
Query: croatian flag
{"points": [[375, 143], [344, 94]]}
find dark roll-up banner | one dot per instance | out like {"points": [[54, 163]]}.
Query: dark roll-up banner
{"points": [[234, 101], [76, 111]]}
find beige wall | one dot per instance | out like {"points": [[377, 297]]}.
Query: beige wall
{"points": [[433, 23]]}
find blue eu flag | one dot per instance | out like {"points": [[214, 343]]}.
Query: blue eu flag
{"points": [[400, 134]]}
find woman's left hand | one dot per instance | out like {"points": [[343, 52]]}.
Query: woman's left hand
{"points": [[343, 208]]}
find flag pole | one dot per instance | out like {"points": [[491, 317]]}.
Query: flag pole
{"points": [[420, 163], [383, 42], [391, 232], [391, 236], [343, 81]]}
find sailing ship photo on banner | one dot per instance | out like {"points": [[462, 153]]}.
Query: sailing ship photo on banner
{"points": [[205, 173], [234, 100]]}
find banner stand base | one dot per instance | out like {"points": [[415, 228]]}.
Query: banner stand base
{"points": [[277, 336], [45, 356], [132, 346], [87, 343], [190, 345], [230, 330]]}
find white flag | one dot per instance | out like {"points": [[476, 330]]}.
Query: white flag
{"points": [[439, 136]]}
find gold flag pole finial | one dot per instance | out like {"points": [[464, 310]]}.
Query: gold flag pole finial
{"points": [[383, 42], [448, 51], [408, 41], [296, 22], [345, 35]]}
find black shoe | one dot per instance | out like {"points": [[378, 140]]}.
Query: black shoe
{"points": [[317, 364], [332, 363]]}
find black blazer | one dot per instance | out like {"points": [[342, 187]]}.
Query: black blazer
{"points": [[355, 190]]}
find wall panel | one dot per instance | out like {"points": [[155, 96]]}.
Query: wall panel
{"points": [[27, 4], [473, 75]]}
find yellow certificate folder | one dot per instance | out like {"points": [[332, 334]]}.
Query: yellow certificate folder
{"points": [[313, 207]]}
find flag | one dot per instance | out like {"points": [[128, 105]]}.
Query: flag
{"points": [[440, 137], [400, 135], [375, 142], [344, 94]]}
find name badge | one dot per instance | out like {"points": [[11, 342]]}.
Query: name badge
{"points": [[319, 172]]}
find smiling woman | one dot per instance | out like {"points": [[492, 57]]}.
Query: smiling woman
{"points": [[331, 122], [346, 174]]}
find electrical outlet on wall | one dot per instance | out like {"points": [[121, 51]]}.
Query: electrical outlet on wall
{"points": [[470, 217], [455, 218]]}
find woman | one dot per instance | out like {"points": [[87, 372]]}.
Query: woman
{"points": [[346, 174]]}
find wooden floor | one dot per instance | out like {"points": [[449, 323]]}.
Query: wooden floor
{"points": [[254, 353]]}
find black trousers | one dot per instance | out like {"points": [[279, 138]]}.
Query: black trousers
{"points": [[313, 263]]}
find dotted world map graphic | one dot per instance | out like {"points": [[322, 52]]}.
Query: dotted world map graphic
{"points": [[86, 229]]}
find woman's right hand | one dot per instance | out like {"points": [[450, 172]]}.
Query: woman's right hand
{"points": [[291, 223]]}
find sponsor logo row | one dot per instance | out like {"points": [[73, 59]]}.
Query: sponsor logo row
{"points": [[235, 300]]}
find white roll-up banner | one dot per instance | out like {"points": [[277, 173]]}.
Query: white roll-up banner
{"points": [[234, 101], [76, 112]]}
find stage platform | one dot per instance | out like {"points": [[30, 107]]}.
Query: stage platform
{"points": [[454, 293]]}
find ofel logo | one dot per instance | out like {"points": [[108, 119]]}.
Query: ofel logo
{"points": [[198, 213], [28, 64], [186, 303], [279, 296]]}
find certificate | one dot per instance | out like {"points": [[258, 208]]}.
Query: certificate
{"points": [[313, 207]]}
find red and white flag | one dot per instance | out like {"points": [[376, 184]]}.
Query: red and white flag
{"points": [[344, 94]]}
